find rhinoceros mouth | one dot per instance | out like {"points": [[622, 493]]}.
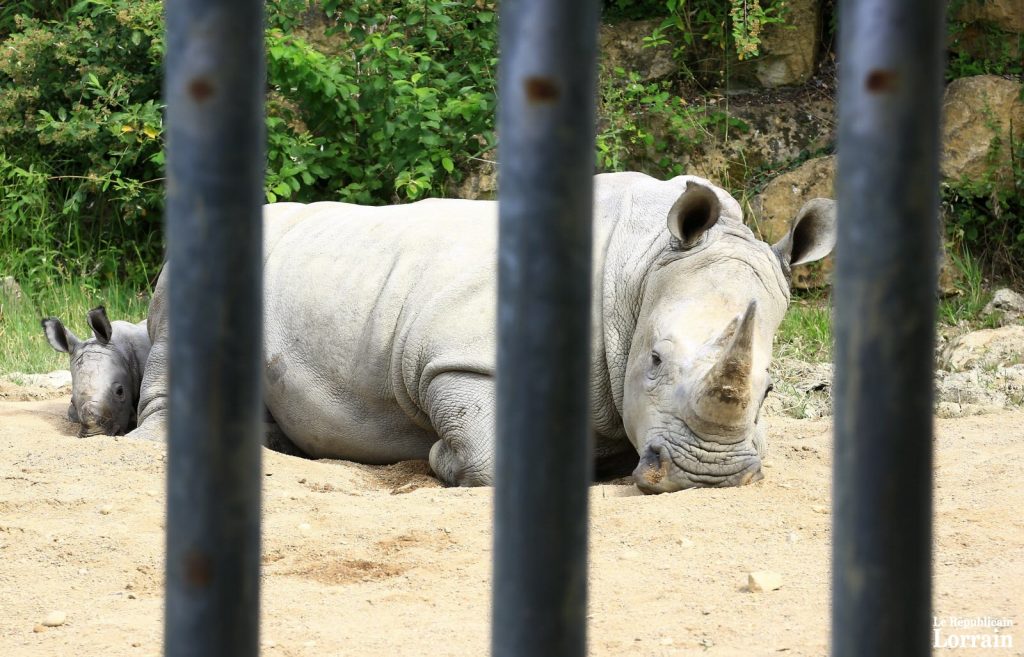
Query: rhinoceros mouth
{"points": [[106, 428], [88, 432], [677, 458]]}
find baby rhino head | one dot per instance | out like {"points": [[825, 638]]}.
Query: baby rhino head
{"points": [[104, 384]]}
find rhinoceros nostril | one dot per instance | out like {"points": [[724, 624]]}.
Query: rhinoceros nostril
{"points": [[651, 469]]}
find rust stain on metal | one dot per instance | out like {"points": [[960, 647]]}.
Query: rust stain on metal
{"points": [[880, 80], [541, 90], [198, 569], [200, 89]]}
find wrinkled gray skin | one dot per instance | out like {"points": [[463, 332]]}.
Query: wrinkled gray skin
{"points": [[380, 341], [106, 371]]}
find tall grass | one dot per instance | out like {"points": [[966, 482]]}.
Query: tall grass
{"points": [[964, 307], [23, 347]]}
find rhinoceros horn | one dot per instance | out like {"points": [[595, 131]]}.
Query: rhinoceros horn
{"points": [[721, 398]]}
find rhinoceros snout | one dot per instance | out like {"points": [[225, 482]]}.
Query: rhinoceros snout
{"points": [[656, 473], [95, 421]]}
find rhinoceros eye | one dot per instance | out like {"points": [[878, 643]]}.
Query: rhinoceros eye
{"points": [[119, 391], [655, 359]]}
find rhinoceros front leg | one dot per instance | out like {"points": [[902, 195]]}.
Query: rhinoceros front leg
{"points": [[461, 410], [152, 410]]}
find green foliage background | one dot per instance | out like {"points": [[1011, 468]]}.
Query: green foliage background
{"points": [[369, 101], [385, 109]]}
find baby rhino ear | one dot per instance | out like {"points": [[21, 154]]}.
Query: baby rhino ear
{"points": [[695, 211], [100, 325], [812, 235], [59, 337]]}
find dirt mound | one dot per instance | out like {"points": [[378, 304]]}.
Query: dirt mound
{"points": [[35, 387]]}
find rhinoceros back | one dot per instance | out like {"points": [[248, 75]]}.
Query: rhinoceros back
{"points": [[365, 306]]}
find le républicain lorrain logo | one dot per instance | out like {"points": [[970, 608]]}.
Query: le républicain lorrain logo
{"points": [[952, 632]]}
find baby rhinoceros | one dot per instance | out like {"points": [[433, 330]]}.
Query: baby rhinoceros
{"points": [[106, 371]]}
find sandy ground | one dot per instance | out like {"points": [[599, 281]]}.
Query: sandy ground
{"points": [[382, 560]]}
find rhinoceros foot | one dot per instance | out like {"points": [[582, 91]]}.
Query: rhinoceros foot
{"points": [[152, 430]]}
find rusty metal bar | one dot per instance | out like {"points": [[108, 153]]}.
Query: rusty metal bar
{"points": [[547, 82], [214, 88], [890, 83]]}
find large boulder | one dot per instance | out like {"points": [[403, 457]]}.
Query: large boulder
{"points": [[988, 30], [983, 115], [814, 178], [765, 130], [978, 391], [1006, 15], [480, 182], [622, 46], [804, 390], [1007, 304], [987, 349], [788, 50]]}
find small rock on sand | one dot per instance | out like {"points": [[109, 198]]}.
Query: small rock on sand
{"points": [[55, 619], [763, 580]]}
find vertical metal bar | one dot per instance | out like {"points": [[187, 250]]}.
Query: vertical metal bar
{"points": [[547, 82], [214, 86], [890, 84]]}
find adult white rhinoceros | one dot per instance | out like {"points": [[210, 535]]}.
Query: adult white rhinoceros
{"points": [[380, 330]]}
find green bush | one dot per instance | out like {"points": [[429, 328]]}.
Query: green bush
{"points": [[732, 26], [407, 98], [985, 217], [648, 118], [980, 48], [388, 106], [80, 142]]}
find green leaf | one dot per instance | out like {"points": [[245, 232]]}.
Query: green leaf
{"points": [[447, 163]]}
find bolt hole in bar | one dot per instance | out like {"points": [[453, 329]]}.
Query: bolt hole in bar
{"points": [[890, 86], [214, 86], [547, 86]]}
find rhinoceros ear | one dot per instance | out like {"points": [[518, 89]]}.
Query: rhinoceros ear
{"points": [[100, 325], [59, 337], [695, 211], [812, 235]]}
